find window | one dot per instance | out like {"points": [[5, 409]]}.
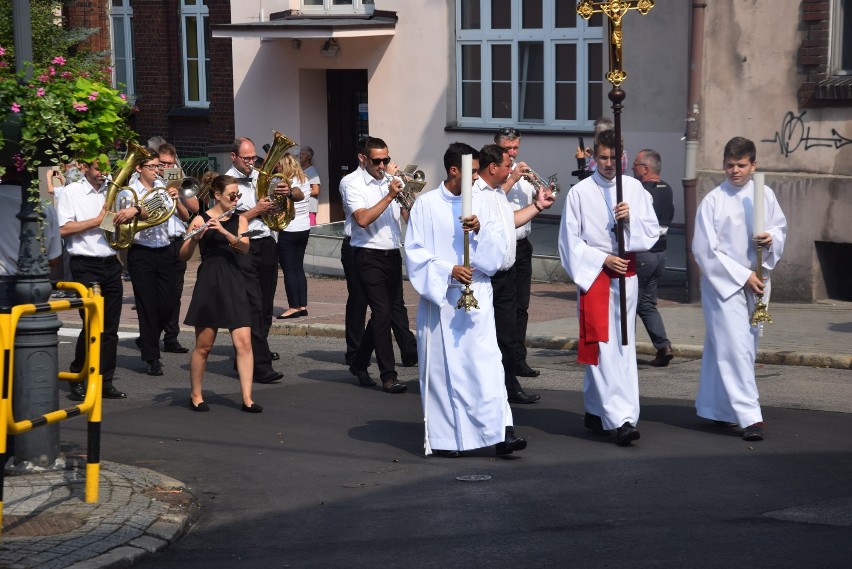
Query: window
{"points": [[339, 6], [196, 59], [840, 53], [529, 62], [121, 20]]}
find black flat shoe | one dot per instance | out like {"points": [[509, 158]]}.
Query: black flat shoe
{"points": [[510, 445], [446, 453], [303, 312], [521, 397], [78, 391], [393, 386], [626, 434], [201, 407], [175, 348], [271, 378], [364, 377], [255, 408], [296, 314], [155, 367]]}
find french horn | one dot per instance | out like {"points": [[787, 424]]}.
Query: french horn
{"points": [[121, 236], [284, 212]]}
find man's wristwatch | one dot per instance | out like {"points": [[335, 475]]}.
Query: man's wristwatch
{"points": [[138, 211]]}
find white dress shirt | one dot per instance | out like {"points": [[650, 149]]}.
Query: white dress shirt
{"points": [[79, 201], [10, 230], [362, 192], [496, 199], [520, 196], [248, 200], [157, 236]]}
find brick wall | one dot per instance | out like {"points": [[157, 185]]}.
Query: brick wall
{"points": [[819, 88], [159, 72]]}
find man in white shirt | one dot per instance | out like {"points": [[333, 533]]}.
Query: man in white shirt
{"points": [[376, 239], [81, 208], [588, 248], [260, 266], [495, 166]]}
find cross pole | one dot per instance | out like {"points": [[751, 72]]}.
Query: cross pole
{"points": [[615, 10]]}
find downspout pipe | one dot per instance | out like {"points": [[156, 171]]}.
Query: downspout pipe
{"points": [[693, 115]]}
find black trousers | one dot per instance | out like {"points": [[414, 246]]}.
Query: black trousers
{"points": [[152, 272], [291, 257], [356, 312], [250, 264], [380, 274], [505, 316], [263, 253], [523, 283], [173, 326], [105, 271]]}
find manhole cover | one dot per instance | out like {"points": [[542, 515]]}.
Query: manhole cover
{"points": [[474, 477], [39, 525]]}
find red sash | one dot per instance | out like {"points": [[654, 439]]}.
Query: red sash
{"points": [[594, 313]]}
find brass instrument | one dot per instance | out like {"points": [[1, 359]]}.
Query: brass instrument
{"points": [[413, 180], [188, 187], [121, 236], [285, 209], [538, 182]]}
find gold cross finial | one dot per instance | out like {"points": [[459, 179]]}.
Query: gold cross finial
{"points": [[614, 10]]}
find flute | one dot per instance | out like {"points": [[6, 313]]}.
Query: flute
{"points": [[201, 228]]}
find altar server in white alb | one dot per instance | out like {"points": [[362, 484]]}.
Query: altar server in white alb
{"points": [[728, 227], [461, 370], [589, 252]]}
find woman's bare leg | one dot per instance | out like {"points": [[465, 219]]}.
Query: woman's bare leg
{"points": [[245, 361], [204, 339]]}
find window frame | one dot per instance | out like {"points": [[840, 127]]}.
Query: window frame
{"points": [[125, 14], [328, 7], [200, 11], [837, 41], [582, 35]]}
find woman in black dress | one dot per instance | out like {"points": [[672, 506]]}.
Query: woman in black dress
{"points": [[219, 299]]}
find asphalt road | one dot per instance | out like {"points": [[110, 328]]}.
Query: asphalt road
{"points": [[333, 475]]}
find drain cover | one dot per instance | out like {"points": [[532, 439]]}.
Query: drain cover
{"points": [[474, 477], [39, 525]]}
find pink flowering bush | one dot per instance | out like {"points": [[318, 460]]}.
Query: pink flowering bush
{"points": [[66, 111]]}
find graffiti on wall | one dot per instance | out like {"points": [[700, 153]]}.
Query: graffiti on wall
{"points": [[794, 135]]}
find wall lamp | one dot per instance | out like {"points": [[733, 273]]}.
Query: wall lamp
{"points": [[330, 48]]}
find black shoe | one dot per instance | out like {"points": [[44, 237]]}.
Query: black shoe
{"points": [[753, 432], [175, 348], [78, 391], [409, 363], [274, 356], [254, 408], [111, 392], [201, 407], [393, 386], [155, 367], [724, 424], [363, 376], [303, 312], [524, 370], [296, 314], [446, 453], [663, 357], [521, 397], [510, 445], [270, 377], [626, 434], [594, 423]]}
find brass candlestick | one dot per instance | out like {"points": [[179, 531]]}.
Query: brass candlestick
{"points": [[761, 312], [467, 300]]}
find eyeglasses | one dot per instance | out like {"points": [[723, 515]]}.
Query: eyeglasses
{"points": [[377, 161], [248, 158], [152, 166], [509, 131], [168, 164]]}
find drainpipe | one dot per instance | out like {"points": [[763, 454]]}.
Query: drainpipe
{"points": [[690, 182]]}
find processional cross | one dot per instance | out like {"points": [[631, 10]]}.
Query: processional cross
{"points": [[615, 10]]}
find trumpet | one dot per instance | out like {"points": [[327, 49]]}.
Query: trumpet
{"points": [[201, 228], [538, 182], [413, 180]]}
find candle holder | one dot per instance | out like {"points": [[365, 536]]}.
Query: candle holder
{"points": [[760, 315], [467, 300]]}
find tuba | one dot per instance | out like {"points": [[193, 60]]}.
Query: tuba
{"points": [[267, 180], [159, 210]]}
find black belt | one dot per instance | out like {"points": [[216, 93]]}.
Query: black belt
{"points": [[523, 239], [378, 252], [103, 260], [147, 248], [176, 238]]}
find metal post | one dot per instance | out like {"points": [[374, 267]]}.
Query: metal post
{"points": [[36, 362]]}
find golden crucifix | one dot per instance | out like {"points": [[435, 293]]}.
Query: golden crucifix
{"points": [[614, 10]]}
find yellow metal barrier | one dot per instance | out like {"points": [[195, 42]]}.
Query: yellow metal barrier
{"points": [[92, 303]]}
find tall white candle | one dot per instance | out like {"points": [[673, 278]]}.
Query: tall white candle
{"points": [[466, 181], [758, 202]]}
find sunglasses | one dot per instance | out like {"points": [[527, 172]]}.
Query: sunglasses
{"points": [[509, 131], [377, 161]]}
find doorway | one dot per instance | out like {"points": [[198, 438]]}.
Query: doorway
{"points": [[347, 122]]}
